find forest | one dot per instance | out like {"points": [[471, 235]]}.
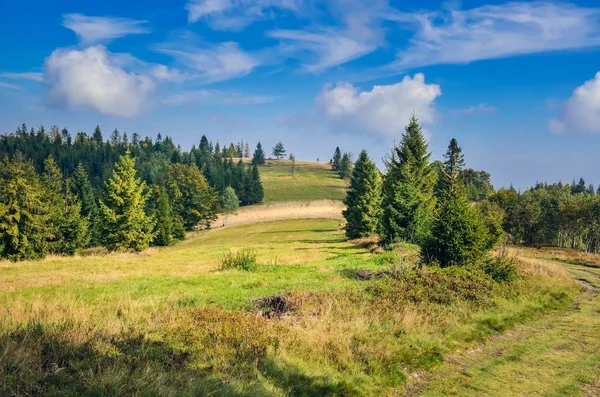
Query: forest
{"points": [[59, 194]]}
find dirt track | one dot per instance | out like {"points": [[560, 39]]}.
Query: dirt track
{"points": [[319, 209]]}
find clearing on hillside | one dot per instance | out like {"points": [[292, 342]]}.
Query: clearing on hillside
{"points": [[311, 181]]}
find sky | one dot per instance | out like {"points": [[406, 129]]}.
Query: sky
{"points": [[517, 83]]}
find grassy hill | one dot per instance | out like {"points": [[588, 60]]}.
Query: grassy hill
{"points": [[307, 312], [312, 181]]}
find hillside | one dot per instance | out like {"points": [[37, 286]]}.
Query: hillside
{"points": [[311, 181], [280, 303]]}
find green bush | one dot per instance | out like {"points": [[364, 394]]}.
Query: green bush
{"points": [[501, 269], [244, 259]]}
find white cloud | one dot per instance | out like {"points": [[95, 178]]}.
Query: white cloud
{"points": [[488, 32], [383, 111], [237, 14], [96, 29], [222, 62], [216, 97], [94, 78], [581, 112], [23, 76]]}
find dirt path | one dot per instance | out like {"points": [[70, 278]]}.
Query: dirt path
{"points": [[557, 355], [319, 209]]}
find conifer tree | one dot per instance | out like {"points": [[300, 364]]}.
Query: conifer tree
{"points": [[337, 158], [408, 188], [279, 150], [345, 168], [254, 190], [163, 230], [82, 189], [458, 235], [97, 137], [24, 229], [69, 227], [259, 155], [363, 200], [124, 223]]}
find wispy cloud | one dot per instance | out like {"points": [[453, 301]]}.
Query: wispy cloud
{"points": [[237, 14], [33, 76], [213, 63], [10, 86], [488, 32], [215, 97], [97, 29], [357, 32], [480, 108]]}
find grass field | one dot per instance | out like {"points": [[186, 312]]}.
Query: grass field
{"points": [[170, 322], [312, 181]]}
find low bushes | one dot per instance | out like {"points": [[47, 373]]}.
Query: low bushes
{"points": [[244, 259]]}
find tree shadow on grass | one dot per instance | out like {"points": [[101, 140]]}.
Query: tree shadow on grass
{"points": [[36, 361]]}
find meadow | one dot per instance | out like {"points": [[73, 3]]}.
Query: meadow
{"points": [[314, 315]]}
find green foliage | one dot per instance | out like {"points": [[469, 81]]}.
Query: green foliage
{"points": [[229, 203], [279, 151], [69, 227], [163, 229], [253, 190], [458, 236], [81, 188], [501, 269], [244, 259], [345, 167], [363, 200], [408, 188], [124, 223], [337, 158], [192, 198], [478, 184], [258, 157], [24, 212]]}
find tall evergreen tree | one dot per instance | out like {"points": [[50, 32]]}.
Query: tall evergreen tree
{"points": [[259, 155], [345, 168], [408, 188], [363, 200], [337, 158], [124, 222], [254, 190], [163, 231], [458, 235], [97, 137], [279, 150], [69, 227], [82, 189], [24, 228]]}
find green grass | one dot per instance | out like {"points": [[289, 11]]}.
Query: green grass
{"points": [[312, 181]]}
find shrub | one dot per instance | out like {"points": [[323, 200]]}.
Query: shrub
{"points": [[244, 259], [502, 269]]}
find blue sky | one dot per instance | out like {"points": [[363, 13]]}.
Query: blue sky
{"points": [[515, 82]]}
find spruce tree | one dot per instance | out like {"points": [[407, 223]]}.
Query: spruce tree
{"points": [[408, 188], [97, 137], [458, 235], [363, 200], [69, 227], [279, 150], [254, 189], [24, 228], [337, 158], [345, 168], [82, 188], [124, 223], [163, 231], [259, 155]]}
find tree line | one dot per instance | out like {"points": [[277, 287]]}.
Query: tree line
{"points": [[58, 194]]}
